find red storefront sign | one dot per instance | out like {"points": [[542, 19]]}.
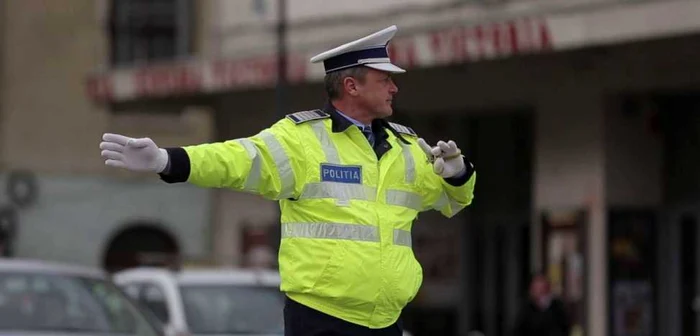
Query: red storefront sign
{"points": [[489, 40], [444, 46], [472, 43]]}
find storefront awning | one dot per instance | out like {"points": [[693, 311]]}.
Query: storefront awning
{"points": [[429, 48]]}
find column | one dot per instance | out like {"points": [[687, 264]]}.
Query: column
{"points": [[569, 174]]}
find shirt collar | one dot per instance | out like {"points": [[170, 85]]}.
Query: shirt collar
{"points": [[354, 121], [340, 122]]}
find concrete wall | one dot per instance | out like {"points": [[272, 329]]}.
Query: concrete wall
{"points": [[633, 154], [49, 126], [74, 218], [48, 123], [570, 174], [44, 108]]}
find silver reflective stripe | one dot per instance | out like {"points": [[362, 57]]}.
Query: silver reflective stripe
{"points": [[284, 166], [251, 184], [331, 231], [341, 191], [455, 206], [405, 199], [444, 200], [441, 202], [325, 140], [402, 237], [410, 163]]}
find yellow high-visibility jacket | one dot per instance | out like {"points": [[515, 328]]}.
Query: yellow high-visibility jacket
{"points": [[346, 208]]}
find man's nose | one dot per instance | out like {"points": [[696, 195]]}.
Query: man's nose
{"points": [[393, 89]]}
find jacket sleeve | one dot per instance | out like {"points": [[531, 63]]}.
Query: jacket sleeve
{"points": [[268, 164], [449, 196]]}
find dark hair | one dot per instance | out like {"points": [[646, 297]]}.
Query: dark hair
{"points": [[538, 274], [334, 80]]}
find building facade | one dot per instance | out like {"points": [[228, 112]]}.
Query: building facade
{"points": [[579, 116], [59, 202]]}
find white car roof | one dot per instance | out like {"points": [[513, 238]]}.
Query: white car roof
{"points": [[204, 276], [49, 267]]}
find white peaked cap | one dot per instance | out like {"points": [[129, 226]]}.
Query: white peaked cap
{"points": [[370, 51]]}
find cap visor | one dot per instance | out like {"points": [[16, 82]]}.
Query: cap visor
{"points": [[388, 67]]}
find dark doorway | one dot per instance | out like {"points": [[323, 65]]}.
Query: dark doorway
{"points": [[679, 271], [489, 241], [141, 244]]}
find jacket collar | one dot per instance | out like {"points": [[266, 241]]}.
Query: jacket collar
{"points": [[380, 128]]}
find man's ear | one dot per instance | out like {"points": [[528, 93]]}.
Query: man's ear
{"points": [[350, 85]]}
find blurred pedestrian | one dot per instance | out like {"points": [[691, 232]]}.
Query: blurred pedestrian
{"points": [[543, 314], [349, 183]]}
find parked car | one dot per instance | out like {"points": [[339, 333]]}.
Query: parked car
{"points": [[45, 298], [209, 301]]}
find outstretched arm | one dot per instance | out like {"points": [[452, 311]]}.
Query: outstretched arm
{"points": [[263, 164]]}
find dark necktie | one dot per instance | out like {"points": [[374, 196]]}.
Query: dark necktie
{"points": [[367, 131]]}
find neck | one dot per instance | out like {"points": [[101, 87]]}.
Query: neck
{"points": [[353, 111]]}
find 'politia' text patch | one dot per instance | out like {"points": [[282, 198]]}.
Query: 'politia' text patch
{"points": [[342, 174]]}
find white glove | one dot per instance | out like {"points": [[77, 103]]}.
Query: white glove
{"points": [[446, 157], [142, 155]]}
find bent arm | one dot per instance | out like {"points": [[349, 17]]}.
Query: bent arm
{"points": [[448, 195]]}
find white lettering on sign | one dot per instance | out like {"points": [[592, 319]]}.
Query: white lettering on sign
{"points": [[343, 174]]}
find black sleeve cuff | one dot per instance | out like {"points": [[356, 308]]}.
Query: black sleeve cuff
{"points": [[178, 167], [460, 181]]}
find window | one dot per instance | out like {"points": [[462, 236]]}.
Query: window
{"points": [[146, 31], [233, 310], [54, 302], [132, 291], [153, 298]]}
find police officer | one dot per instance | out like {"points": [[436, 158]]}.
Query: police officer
{"points": [[349, 184]]}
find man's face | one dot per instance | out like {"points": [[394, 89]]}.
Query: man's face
{"points": [[376, 93], [539, 287]]}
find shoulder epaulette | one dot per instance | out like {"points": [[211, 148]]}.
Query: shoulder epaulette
{"points": [[304, 116], [403, 129]]}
